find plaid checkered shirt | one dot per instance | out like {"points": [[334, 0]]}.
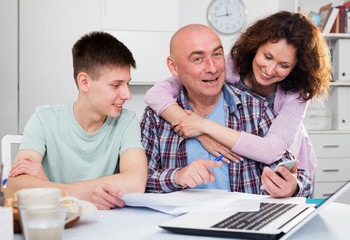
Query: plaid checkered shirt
{"points": [[166, 150]]}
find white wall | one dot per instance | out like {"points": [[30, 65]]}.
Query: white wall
{"points": [[45, 62], [8, 67]]}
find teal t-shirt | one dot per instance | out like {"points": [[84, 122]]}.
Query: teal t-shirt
{"points": [[195, 150], [69, 153]]}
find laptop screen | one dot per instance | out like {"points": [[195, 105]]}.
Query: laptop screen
{"points": [[340, 195]]}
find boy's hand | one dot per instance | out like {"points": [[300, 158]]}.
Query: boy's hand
{"points": [[104, 196], [196, 173], [28, 165]]}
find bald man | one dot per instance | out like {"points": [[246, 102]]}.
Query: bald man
{"points": [[197, 59]]}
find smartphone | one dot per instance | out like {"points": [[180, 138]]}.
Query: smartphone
{"points": [[288, 164]]}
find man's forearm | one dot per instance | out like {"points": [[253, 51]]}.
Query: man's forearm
{"points": [[304, 184], [163, 181]]}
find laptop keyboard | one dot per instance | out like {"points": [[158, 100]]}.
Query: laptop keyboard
{"points": [[255, 220]]}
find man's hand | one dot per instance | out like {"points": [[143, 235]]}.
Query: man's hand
{"points": [[196, 173], [280, 187], [28, 165], [104, 196]]}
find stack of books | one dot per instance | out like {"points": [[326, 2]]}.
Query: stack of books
{"points": [[335, 19]]}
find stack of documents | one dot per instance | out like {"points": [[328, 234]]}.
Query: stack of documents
{"points": [[201, 200]]}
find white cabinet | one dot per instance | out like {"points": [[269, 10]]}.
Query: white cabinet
{"points": [[339, 101], [339, 105], [332, 146], [146, 28], [140, 15], [333, 154]]}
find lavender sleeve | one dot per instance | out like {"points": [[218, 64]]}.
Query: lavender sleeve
{"points": [[163, 94], [290, 111], [232, 77]]}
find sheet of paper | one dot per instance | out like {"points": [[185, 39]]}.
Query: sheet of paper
{"points": [[201, 200], [88, 208]]}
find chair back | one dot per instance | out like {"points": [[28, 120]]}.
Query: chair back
{"points": [[6, 156]]}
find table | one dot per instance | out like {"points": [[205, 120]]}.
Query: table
{"points": [[142, 223]]}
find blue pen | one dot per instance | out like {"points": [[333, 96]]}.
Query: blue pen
{"points": [[219, 158], [4, 181]]}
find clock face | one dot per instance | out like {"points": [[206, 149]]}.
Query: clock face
{"points": [[227, 16]]}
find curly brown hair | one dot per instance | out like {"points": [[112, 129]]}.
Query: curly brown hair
{"points": [[313, 71]]}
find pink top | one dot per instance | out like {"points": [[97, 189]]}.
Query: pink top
{"points": [[286, 132]]}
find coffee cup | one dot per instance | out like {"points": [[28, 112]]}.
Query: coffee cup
{"points": [[43, 223], [42, 198]]}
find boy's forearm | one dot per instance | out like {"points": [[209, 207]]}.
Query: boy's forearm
{"points": [[28, 181], [125, 182]]}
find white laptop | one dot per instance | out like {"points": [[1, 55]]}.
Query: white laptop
{"points": [[272, 221]]}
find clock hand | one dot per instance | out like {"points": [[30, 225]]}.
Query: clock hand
{"points": [[225, 15]]}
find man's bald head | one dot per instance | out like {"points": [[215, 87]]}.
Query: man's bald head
{"points": [[186, 35], [197, 58]]}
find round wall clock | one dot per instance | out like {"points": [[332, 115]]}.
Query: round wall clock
{"points": [[227, 16]]}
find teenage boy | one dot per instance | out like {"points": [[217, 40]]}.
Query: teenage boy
{"points": [[90, 148]]}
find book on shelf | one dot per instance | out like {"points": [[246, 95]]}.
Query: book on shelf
{"points": [[347, 4], [335, 27], [347, 16], [335, 19], [347, 20], [324, 14], [331, 20], [341, 19]]}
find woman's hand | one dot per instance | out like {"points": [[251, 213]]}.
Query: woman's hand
{"points": [[218, 149], [190, 126], [193, 126]]}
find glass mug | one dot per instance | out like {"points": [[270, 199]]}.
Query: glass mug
{"points": [[43, 223], [42, 198]]}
